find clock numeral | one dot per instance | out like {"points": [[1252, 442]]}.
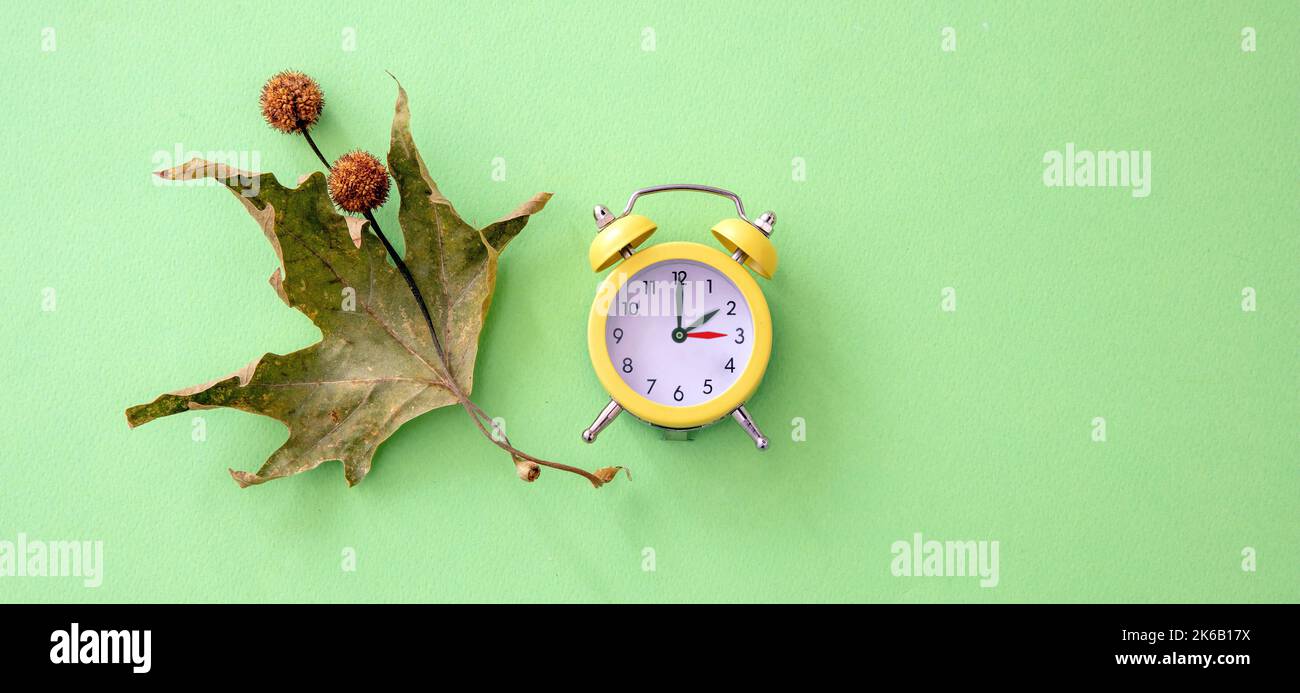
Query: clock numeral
{"points": [[731, 310], [740, 335], [652, 382], [731, 365], [679, 277], [708, 386], [631, 308], [627, 365], [710, 281], [678, 395], [618, 335]]}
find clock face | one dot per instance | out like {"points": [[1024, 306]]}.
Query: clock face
{"points": [[679, 332]]}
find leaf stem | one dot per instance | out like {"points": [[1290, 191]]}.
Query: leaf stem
{"points": [[504, 443], [415, 291]]}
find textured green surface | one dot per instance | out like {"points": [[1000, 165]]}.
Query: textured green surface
{"points": [[924, 171]]}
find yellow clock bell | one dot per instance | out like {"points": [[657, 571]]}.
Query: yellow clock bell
{"points": [[680, 334]]}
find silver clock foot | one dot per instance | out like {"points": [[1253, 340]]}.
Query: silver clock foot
{"points": [[742, 417], [607, 415]]}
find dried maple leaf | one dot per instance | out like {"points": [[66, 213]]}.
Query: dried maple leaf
{"points": [[376, 366]]}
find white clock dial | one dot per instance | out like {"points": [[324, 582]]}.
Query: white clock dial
{"points": [[679, 333]]}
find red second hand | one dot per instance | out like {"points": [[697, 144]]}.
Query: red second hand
{"points": [[705, 335]]}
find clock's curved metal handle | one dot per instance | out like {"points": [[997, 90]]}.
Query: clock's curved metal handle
{"points": [[631, 201]]}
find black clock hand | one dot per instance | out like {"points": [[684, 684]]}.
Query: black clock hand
{"points": [[681, 298], [707, 317]]}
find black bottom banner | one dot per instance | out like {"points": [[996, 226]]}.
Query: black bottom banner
{"points": [[623, 643]]}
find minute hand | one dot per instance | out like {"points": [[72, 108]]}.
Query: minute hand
{"points": [[707, 317], [681, 298]]}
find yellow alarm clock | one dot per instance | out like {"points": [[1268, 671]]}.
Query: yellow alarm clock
{"points": [[680, 334]]}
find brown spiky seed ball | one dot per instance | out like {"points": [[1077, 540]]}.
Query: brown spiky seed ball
{"points": [[358, 182], [291, 101]]}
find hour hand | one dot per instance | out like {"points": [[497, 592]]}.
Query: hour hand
{"points": [[703, 319]]}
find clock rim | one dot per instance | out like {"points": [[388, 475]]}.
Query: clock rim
{"points": [[728, 400]]}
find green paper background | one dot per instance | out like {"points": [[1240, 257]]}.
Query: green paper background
{"points": [[923, 171]]}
